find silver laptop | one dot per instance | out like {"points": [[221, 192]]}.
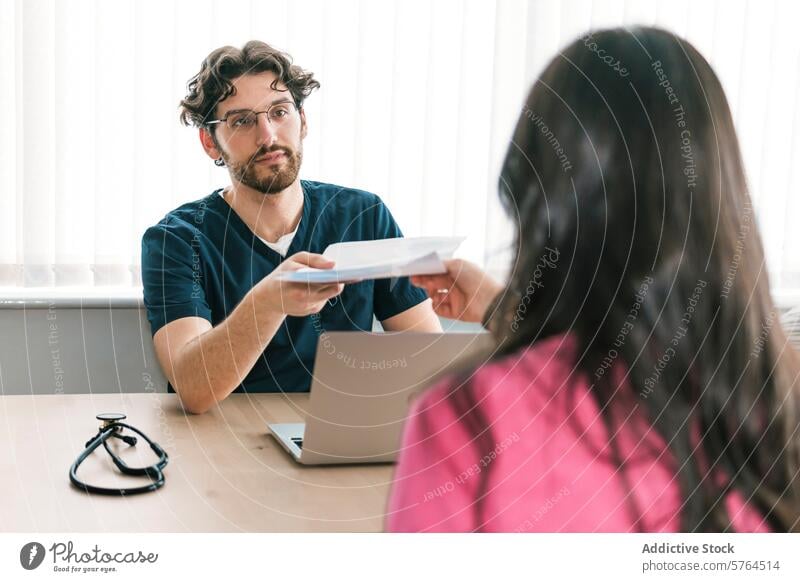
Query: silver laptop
{"points": [[360, 393]]}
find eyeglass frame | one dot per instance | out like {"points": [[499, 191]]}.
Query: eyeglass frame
{"points": [[224, 120]]}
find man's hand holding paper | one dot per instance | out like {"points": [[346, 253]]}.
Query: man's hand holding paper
{"points": [[380, 259]]}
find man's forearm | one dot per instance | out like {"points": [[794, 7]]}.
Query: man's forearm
{"points": [[213, 364]]}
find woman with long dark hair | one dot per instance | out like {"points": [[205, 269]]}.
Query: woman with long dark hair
{"points": [[641, 380]]}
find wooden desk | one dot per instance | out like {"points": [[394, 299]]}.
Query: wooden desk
{"points": [[225, 473]]}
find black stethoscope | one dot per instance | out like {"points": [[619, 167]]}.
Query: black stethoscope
{"points": [[112, 428]]}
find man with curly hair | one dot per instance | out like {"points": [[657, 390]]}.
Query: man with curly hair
{"points": [[221, 320]]}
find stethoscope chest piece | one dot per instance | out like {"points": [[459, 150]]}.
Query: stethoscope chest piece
{"points": [[109, 417]]}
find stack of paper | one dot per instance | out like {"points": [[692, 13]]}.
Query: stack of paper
{"points": [[380, 259]]}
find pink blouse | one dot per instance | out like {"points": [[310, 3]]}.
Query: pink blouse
{"points": [[550, 468]]}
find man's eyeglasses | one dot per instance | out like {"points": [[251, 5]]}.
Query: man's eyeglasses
{"points": [[245, 119]]}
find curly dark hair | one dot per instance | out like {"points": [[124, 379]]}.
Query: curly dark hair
{"points": [[214, 82]]}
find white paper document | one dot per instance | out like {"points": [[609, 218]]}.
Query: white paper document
{"points": [[380, 259]]}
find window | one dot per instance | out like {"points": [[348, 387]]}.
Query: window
{"points": [[417, 103]]}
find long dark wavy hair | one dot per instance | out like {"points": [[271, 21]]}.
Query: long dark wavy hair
{"points": [[625, 166]]}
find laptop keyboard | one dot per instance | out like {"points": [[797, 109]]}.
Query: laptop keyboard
{"points": [[298, 441]]}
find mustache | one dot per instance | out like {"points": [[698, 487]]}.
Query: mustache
{"points": [[262, 151]]}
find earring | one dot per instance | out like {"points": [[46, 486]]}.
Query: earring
{"points": [[219, 162]]}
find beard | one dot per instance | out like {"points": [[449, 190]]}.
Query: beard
{"points": [[267, 179]]}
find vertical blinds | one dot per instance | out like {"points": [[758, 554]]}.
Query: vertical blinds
{"points": [[417, 103]]}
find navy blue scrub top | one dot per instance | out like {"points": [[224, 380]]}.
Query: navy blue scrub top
{"points": [[201, 259]]}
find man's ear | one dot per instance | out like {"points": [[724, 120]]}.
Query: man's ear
{"points": [[303, 126], [210, 147]]}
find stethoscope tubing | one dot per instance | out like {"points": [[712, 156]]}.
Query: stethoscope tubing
{"points": [[154, 472]]}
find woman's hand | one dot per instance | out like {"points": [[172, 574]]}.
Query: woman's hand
{"points": [[465, 292]]}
